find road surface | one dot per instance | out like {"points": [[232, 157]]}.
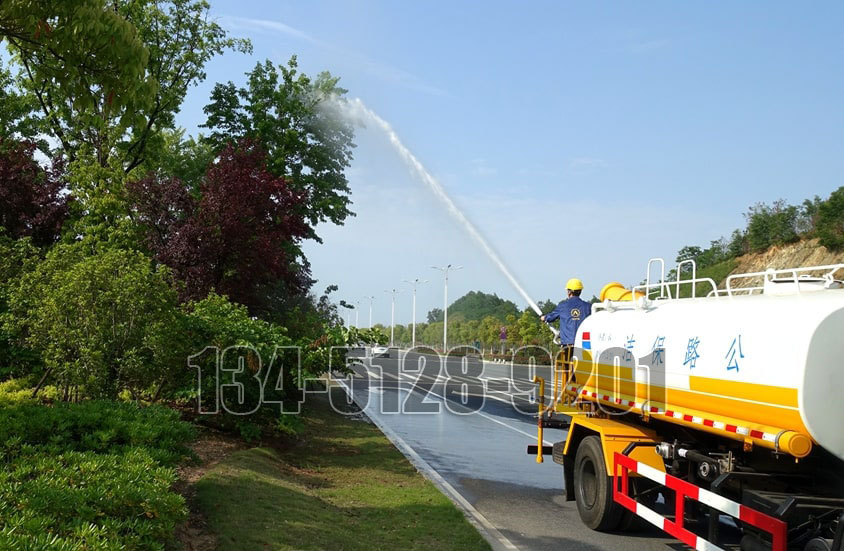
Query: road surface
{"points": [[465, 422]]}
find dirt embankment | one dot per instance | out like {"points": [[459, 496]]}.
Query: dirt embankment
{"points": [[807, 252]]}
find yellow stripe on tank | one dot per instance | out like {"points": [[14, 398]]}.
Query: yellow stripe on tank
{"points": [[781, 396], [751, 402]]}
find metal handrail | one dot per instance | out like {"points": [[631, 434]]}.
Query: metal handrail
{"points": [[679, 269], [662, 285], [773, 273], [730, 291], [644, 288]]}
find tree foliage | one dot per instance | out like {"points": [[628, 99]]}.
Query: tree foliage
{"points": [[31, 200], [771, 225], [18, 118], [240, 236], [435, 315], [288, 114], [830, 220], [100, 320], [108, 76], [82, 61]]}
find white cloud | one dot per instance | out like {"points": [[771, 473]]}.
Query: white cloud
{"points": [[381, 71], [245, 23]]}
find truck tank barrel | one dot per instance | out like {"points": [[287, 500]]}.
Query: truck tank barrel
{"points": [[764, 368]]}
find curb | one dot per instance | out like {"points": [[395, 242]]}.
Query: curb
{"points": [[490, 533]]}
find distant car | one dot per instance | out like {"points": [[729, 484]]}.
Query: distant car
{"points": [[379, 351]]}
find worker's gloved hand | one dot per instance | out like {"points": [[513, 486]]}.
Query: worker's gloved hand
{"points": [[541, 318]]}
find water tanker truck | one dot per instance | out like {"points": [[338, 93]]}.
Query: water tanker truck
{"points": [[686, 412]]}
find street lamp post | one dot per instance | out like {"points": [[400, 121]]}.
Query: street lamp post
{"points": [[393, 292], [413, 284], [370, 310], [357, 308], [445, 301]]}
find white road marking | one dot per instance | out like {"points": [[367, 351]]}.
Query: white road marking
{"points": [[484, 396]]}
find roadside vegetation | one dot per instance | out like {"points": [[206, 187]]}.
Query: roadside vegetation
{"points": [[91, 475], [345, 487], [133, 257]]}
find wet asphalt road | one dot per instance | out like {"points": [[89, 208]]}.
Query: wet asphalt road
{"points": [[472, 423]]}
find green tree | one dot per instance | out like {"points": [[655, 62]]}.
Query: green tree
{"points": [[830, 221], [100, 319], [490, 329], [289, 115], [18, 117], [689, 252], [808, 215], [82, 62], [436, 314], [402, 334], [432, 335], [471, 332], [529, 328], [737, 245], [108, 76], [17, 257], [217, 322], [420, 331], [774, 224]]}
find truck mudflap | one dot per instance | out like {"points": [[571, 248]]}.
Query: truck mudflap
{"points": [[623, 465]]}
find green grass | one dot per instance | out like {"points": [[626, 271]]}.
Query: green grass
{"points": [[343, 487]]}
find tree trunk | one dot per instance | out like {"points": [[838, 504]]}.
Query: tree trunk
{"points": [[42, 381], [158, 390]]}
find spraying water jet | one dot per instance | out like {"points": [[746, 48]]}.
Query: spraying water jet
{"points": [[358, 111]]}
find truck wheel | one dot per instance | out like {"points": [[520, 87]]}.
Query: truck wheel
{"points": [[593, 487]]}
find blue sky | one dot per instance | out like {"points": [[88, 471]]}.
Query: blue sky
{"points": [[582, 138]]}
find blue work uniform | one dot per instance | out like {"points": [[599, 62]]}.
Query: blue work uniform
{"points": [[571, 313]]}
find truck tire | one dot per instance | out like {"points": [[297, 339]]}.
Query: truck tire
{"points": [[593, 487]]}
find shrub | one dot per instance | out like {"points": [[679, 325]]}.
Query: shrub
{"points": [[97, 426], [829, 225], [220, 324], [93, 475], [17, 257], [85, 500], [16, 391], [100, 320]]}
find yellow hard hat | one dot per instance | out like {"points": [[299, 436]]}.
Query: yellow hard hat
{"points": [[574, 284]]}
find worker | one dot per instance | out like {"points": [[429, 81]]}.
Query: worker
{"points": [[571, 312]]}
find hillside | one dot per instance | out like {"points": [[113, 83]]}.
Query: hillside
{"points": [[805, 252], [476, 305]]}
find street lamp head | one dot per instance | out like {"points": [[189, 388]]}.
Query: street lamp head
{"points": [[415, 282]]}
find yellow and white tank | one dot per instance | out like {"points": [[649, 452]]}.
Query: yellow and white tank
{"points": [[762, 365]]}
